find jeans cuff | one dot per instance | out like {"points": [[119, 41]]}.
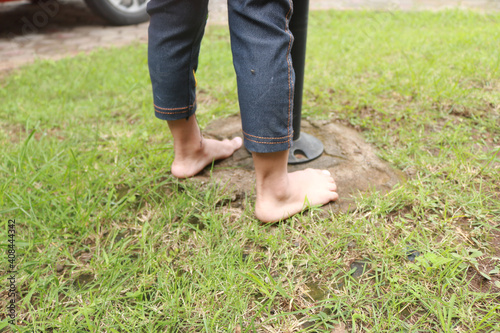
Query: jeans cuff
{"points": [[175, 113], [267, 145]]}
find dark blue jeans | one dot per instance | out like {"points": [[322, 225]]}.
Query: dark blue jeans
{"points": [[260, 42]]}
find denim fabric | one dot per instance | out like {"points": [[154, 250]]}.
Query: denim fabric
{"points": [[260, 42]]}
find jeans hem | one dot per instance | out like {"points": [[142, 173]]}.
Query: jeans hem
{"points": [[266, 148], [175, 113], [267, 145]]}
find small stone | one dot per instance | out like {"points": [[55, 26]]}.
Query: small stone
{"points": [[340, 328], [412, 255], [359, 267]]}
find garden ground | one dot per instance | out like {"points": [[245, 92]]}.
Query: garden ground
{"points": [[107, 240]]}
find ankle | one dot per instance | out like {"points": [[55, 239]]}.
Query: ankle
{"points": [[272, 175], [188, 139], [274, 187], [189, 148]]}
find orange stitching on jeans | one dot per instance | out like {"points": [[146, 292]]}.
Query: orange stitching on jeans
{"points": [[288, 64], [185, 107], [268, 143], [261, 137], [177, 112]]}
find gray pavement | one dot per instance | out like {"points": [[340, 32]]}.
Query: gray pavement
{"points": [[29, 32]]}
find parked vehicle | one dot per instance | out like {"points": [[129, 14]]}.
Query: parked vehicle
{"points": [[117, 12], [120, 12]]}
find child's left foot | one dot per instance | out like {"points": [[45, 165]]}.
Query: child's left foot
{"points": [[193, 152], [190, 163]]}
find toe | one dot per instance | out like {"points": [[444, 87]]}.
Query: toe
{"points": [[326, 172], [237, 142]]}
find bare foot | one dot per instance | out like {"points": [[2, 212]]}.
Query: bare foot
{"points": [[279, 199], [192, 151], [188, 164]]}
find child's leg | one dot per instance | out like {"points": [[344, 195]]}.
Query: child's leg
{"points": [[281, 194], [192, 151], [261, 43], [175, 33]]}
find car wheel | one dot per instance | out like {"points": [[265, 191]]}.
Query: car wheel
{"points": [[120, 12]]}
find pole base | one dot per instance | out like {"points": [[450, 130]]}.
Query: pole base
{"points": [[306, 148]]}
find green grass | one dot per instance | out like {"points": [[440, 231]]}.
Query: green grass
{"points": [[108, 241]]}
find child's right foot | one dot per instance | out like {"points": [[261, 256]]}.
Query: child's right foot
{"points": [[279, 199]]}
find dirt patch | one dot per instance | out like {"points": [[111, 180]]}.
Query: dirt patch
{"points": [[487, 264], [352, 161], [17, 133], [495, 242], [478, 283]]}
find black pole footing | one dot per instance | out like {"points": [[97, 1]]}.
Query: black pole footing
{"points": [[306, 148]]}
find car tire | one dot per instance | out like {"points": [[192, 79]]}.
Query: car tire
{"points": [[120, 12]]}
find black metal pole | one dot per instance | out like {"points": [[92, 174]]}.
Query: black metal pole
{"points": [[298, 27], [304, 145]]}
